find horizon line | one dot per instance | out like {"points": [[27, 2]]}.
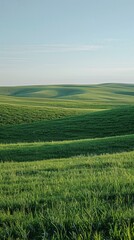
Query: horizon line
{"points": [[68, 84]]}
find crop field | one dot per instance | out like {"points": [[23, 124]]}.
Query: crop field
{"points": [[67, 162]]}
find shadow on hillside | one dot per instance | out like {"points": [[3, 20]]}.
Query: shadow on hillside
{"points": [[40, 151]]}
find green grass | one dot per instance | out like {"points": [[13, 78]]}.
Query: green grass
{"points": [[49, 150], [13, 114], [75, 198], [121, 93], [61, 103], [67, 162], [113, 122]]}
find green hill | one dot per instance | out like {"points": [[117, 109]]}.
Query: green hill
{"points": [[22, 152], [67, 162], [106, 123], [17, 114], [104, 92]]}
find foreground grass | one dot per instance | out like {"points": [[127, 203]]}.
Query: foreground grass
{"points": [[48, 150], [75, 198]]}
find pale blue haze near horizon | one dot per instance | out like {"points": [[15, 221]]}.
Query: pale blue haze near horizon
{"points": [[66, 41]]}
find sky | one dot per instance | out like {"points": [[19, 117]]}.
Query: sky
{"points": [[66, 41]]}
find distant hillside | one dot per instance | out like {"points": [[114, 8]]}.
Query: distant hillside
{"points": [[103, 92]]}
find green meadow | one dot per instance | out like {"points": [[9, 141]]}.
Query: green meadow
{"points": [[67, 162]]}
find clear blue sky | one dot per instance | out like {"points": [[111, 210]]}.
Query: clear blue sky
{"points": [[66, 41]]}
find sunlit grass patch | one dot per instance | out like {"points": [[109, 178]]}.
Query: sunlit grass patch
{"points": [[77, 198]]}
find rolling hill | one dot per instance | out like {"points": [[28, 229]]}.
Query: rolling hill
{"points": [[67, 162], [103, 92], [112, 122]]}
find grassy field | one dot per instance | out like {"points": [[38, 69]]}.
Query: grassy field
{"points": [[67, 162], [74, 198]]}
